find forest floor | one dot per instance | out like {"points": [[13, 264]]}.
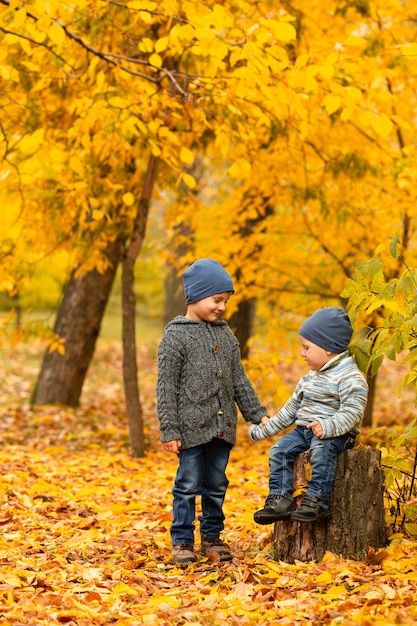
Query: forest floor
{"points": [[85, 527]]}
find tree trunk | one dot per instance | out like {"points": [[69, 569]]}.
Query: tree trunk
{"points": [[79, 319], [242, 322], [357, 520], [130, 368], [367, 418], [174, 296], [174, 288]]}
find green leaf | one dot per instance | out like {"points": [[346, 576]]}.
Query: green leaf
{"points": [[395, 242]]}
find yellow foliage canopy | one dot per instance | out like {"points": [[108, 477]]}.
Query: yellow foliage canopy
{"points": [[301, 116]]}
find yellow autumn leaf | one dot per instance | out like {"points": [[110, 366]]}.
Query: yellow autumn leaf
{"points": [[383, 125], [97, 215], [116, 102], [355, 41], [408, 49], [346, 114], [156, 150], [122, 588], [354, 93], [155, 60], [336, 591], [389, 592], [282, 30], [43, 22], [27, 502], [19, 17], [234, 170], [221, 18], [32, 142], [128, 198], [11, 579], [411, 528], [56, 34], [146, 523], [189, 180], [25, 574], [100, 78], [76, 165], [325, 71], [9, 73], [325, 578], [145, 16], [302, 60], [161, 44], [401, 122], [366, 118], [171, 601], [145, 45], [185, 32], [331, 103], [186, 156]]}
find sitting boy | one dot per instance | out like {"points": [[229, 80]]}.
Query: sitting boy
{"points": [[326, 407]]}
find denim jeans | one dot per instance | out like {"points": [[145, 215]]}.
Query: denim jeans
{"points": [[323, 459], [201, 471]]}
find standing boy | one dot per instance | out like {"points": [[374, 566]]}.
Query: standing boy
{"points": [[200, 381], [327, 407]]}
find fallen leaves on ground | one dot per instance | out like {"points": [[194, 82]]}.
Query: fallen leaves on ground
{"points": [[85, 528]]}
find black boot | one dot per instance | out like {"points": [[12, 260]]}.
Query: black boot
{"points": [[276, 508], [311, 509]]}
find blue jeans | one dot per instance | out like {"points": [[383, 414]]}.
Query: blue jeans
{"points": [[323, 459], [201, 471]]}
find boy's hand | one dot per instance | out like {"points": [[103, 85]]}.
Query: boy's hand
{"points": [[264, 421], [316, 428], [172, 446]]}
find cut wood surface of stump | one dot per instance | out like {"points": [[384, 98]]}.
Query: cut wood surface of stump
{"points": [[357, 519]]}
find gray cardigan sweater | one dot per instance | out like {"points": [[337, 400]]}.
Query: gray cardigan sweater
{"points": [[335, 396], [200, 381]]}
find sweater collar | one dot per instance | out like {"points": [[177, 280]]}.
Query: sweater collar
{"points": [[335, 361]]}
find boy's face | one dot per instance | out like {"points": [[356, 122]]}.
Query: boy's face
{"points": [[208, 309], [315, 356]]}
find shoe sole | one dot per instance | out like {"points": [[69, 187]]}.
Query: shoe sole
{"points": [[271, 518], [301, 518], [224, 557], [183, 562]]}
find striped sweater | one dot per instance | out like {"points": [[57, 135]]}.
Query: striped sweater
{"points": [[335, 396]]}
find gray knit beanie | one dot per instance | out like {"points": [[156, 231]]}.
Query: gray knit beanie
{"points": [[204, 278], [329, 328]]}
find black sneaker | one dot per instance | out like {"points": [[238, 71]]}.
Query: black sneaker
{"points": [[311, 509], [276, 508]]}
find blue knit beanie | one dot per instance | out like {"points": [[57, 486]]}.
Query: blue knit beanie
{"points": [[329, 328], [204, 278]]}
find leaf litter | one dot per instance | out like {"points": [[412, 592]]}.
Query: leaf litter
{"points": [[85, 527]]}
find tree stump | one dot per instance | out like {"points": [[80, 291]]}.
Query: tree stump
{"points": [[357, 520]]}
